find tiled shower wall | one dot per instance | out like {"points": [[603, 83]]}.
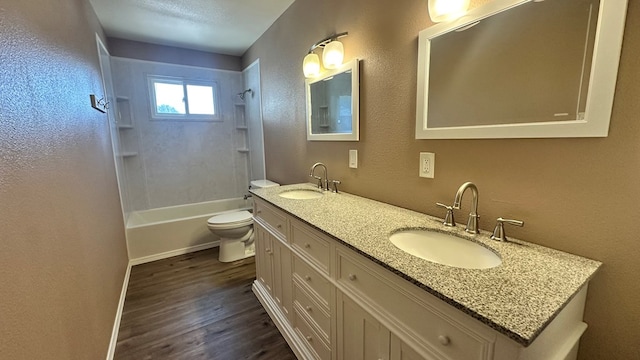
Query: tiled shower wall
{"points": [[176, 162]]}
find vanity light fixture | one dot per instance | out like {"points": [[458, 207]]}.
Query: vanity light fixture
{"points": [[445, 10], [311, 65], [332, 55]]}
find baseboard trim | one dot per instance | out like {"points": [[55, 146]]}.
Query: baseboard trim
{"points": [[116, 324], [281, 322], [172, 253]]}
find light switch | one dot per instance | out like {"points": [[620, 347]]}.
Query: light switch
{"points": [[427, 165], [353, 159]]}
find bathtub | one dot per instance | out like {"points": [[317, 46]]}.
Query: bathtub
{"points": [[164, 232]]}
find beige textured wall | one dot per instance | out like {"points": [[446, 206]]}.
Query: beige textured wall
{"points": [[173, 55], [577, 195], [62, 248]]}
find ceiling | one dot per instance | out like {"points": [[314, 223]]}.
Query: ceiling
{"points": [[221, 26]]}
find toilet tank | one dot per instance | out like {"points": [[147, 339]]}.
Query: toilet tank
{"points": [[259, 184]]}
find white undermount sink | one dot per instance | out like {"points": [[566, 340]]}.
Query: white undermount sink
{"points": [[445, 249], [301, 194]]}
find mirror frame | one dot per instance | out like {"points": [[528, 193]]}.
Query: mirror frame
{"points": [[604, 71], [355, 104]]}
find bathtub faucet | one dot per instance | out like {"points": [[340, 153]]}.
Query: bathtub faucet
{"points": [[247, 196]]}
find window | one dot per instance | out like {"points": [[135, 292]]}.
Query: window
{"points": [[177, 98]]}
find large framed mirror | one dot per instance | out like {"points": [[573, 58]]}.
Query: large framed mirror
{"points": [[521, 69], [333, 104]]}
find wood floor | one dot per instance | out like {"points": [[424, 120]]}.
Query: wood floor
{"points": [[194, 307]]}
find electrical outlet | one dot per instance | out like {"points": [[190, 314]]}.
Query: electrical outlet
{"points": [[353, 159], [427, 165]]}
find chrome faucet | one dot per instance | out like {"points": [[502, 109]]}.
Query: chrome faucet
{"points": [[472, 223], [323, 183]]}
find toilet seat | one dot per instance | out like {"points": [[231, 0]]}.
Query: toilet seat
{"points": [[230, 220]]}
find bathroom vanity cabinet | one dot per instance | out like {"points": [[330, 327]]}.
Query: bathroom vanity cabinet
{"points": [[332, 302], [274, 269]]}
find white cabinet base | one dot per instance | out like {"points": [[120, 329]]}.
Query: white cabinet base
{"points": [[282, 323]]}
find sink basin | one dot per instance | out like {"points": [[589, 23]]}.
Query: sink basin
{"points": [[445, 249], [301, 194]]}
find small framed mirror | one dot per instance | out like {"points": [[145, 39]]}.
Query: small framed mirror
{"points": [[521, 69], [333, 104]]}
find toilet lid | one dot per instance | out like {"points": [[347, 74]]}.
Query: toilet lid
{"points": [[238, 217]]}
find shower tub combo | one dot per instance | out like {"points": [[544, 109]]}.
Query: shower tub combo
{"points": [[164, 232]]}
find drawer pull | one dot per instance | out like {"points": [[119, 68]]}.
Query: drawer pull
{"points": [[352, 277], [268, 251], [307, 277], [259, 211], [308, 308], [309, 338], [307, 246], [279, 226], [444, 340]]}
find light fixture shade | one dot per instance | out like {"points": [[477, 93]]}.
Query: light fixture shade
{"points": [[311, 65], [445, 10], [333, 55]]}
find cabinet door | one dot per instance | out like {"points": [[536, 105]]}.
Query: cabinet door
{"points": [[402, 351], [264, 257], [282, 283], [360, 336]]}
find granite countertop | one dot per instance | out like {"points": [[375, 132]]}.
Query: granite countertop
{"points": [[519, 298]]}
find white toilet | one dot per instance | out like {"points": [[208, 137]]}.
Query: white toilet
{"points": [[235, 230]]}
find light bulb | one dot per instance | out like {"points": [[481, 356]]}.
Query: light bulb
{"points": [[445, 10], [333, 55], [311, 65]]}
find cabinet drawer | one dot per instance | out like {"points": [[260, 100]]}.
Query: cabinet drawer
{"points": [[437, 332], [310, 337], [275, 218], [312, 280], [305, 303], [311, 245]]}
